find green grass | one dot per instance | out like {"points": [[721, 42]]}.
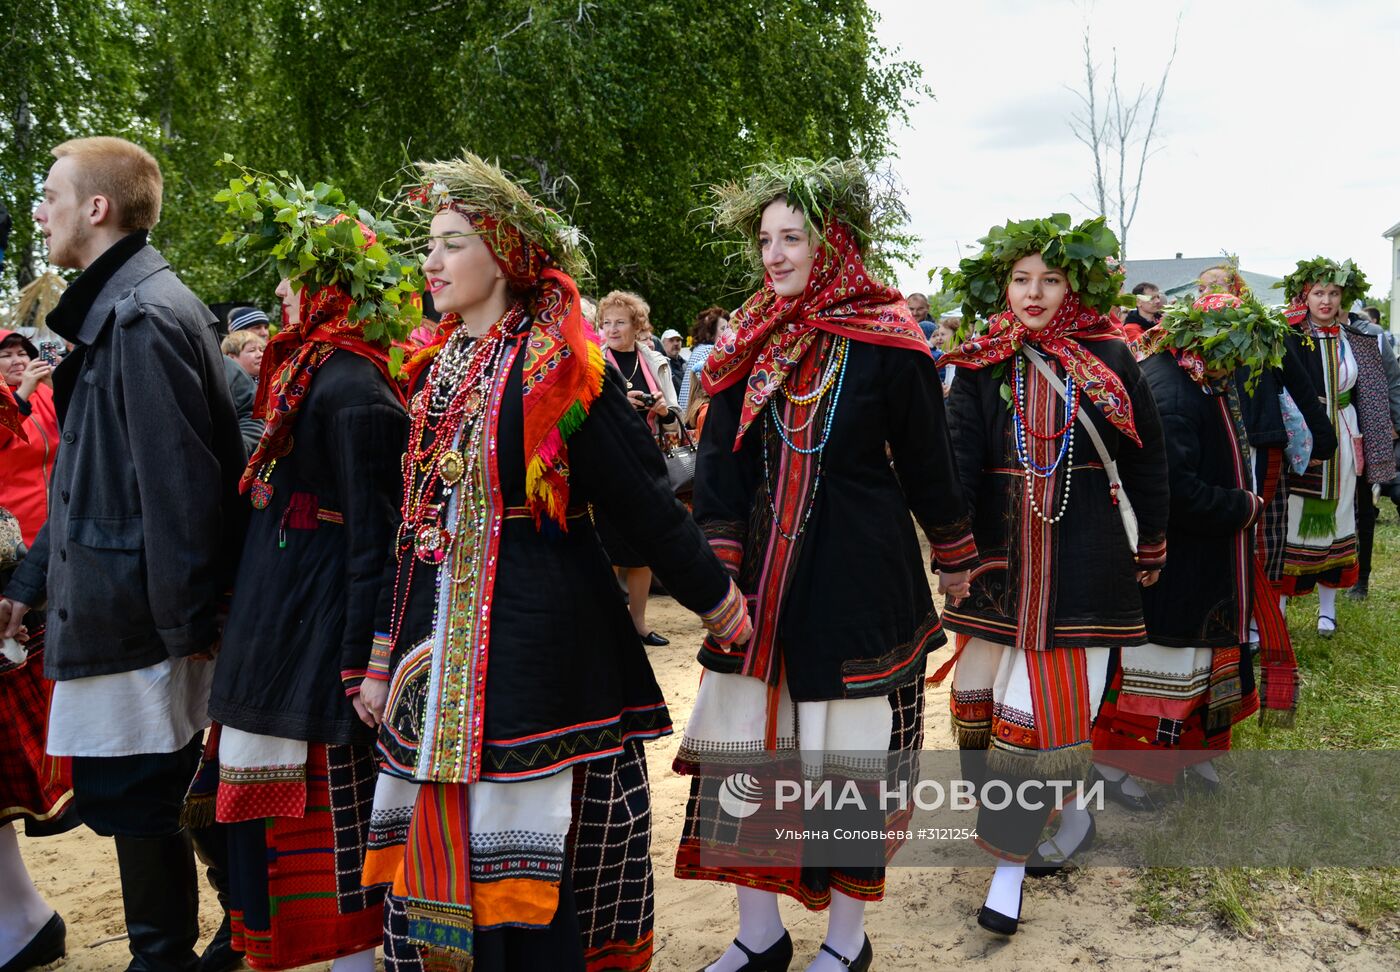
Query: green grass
{"points": [[1350, 700]]}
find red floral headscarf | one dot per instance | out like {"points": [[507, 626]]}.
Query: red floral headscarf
{"points": [[771, 333], [563, 368], [10, 417], [1062, 339], [292, 359]]}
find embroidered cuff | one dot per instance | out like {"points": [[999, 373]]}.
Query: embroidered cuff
{"points": [[726, 621], [955, 555], [379, 654], [1153, 555], [351, 679], [729, 552]]}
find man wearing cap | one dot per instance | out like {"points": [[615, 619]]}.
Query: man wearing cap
{"points": [[248, 319], [671, 347]]}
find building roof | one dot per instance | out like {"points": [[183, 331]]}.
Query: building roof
{"points": [[1179, 274], [1392, 232]]}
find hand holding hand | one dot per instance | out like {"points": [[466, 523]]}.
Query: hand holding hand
{"points": [[955, 585], [1148, 577], [369, 703]]}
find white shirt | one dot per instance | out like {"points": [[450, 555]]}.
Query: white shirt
{"points": [[151, 710]]}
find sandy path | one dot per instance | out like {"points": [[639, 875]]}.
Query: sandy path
{"points": [[927, 921]]}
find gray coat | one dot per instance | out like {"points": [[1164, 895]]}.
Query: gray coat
{"points": [[144, 517]]}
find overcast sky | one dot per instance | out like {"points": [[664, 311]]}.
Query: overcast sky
{"points": [[1280, 130]]}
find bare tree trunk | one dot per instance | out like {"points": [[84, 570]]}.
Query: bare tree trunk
{"points": [[1116, 140], [22, 234]]}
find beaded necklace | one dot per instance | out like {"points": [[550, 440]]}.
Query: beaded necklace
{"points": [[451, 401], [832, 381], [1021, 426]]}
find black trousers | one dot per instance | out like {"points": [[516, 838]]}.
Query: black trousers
{"points": [[134, 796], [1366, 515]]}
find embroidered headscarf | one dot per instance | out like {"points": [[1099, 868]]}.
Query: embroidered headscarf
{"points": [[296, 353], [771, 333], [1063, 339], [562, 371]]}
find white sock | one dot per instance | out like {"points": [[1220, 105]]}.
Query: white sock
{"points": [[1005, 893], [1074, 825], [1253, 632], [760, 927], [1283, 604], [1206, 771], [1327, 604], [359, 962], [845, 933], [23, 911], [1113, 774]]}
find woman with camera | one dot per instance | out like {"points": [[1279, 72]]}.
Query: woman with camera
{"points": [[622, 317]]}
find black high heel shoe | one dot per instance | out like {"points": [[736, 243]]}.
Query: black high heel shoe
{"points": [[1113, 789], [994, 921], [861, 963], [775, 958], [49, 944], [1039, 866]]}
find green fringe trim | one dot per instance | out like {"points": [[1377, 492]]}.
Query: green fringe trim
{"points": [[1319, 517], [1278, 718], [572, 419], [1072, 761]]}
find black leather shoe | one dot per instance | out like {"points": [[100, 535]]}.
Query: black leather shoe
{"points": [[1039, 866], [219, 955], [1359, 592], [49, 944], [654, 640], [861, 963], [995, 921], [1113, 789], [775, 958]]}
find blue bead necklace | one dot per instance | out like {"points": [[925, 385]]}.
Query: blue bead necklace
{"points": [[774, 415]]}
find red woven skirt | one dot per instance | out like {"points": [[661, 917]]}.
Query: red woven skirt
{"points": [[33, 785]]}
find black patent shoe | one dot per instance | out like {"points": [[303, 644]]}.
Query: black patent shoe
{"points": [[49, 944], [654, 640], [775, 958], [861, 963], [1113, 789], [994, 921], [1039, 866]]}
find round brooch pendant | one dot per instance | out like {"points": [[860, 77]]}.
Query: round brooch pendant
{"points": [[430, 544], [451, 466], [260, 494]]}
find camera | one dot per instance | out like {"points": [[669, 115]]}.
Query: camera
{"points": [[648, 400]]}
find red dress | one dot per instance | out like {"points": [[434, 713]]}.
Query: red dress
{"points": [[33, 785]]}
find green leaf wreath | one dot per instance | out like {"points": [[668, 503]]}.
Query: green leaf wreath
{"points": [[1250, 335], [865, 200], [297, 228], [486, 186], [1320, 270], [1087, 253]]}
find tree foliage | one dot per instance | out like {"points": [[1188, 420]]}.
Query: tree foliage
{"points": [[619, 111]]}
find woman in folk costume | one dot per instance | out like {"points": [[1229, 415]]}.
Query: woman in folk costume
{"points": [[512, 813], [34, 786], [1346, 370], [1281, 412], [825, 369], [293, 743], [1049, 396], [1173, 700]]}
